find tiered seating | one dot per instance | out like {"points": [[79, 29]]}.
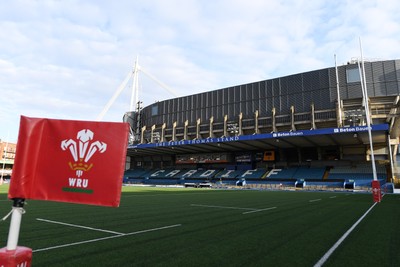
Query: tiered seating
{"points": [[158, 181], [306, 173], [164, 173], [135, 176], [341, 176], [230, 174], [240, 177], [162, 177], [252, 174], [359, 175], [135, 173], [287, 173], [205, 174], [323, 184], [276, 177], [187, 173], [227, 177], [357, 172], [271, 179], [195, 177], [250, 177], [301, 177]]}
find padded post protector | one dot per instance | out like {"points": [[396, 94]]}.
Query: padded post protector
{"points": [[376, 191], [21, 257]]}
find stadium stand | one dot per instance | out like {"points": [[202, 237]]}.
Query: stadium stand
{"points": [[344, 176], [291, 132]]}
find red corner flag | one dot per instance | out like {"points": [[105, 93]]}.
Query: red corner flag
{"points": [[70, 161]]}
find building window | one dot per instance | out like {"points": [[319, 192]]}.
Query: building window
{"points": [[154, 110], [353, 75]]}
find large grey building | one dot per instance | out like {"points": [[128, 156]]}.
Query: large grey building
{"points": [[291, 104]]}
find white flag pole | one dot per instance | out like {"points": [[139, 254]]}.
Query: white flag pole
{"points": [[338, 94], [15, 224], [367, 113]]}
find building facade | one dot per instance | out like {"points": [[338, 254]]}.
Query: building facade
{"points": [[314, 100], [7, 156]]}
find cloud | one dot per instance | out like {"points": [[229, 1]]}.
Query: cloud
{"points": [[66, 59]]}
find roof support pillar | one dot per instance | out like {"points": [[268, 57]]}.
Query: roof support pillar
{"points": [[174, 131], [152, 133], [198, 129], [142, 134], [211, 134], [226, 125], [163, 132], [240, 124], [256, 131], [185, 130], [313, 126], [274, 129], [293, 127]]}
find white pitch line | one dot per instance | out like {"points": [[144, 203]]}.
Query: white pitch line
{"points": [[247, 212], [173, 194], [220, 207], [250, 210], [80, 226], [337, 244], [314, 200], [105, 238], [333, 197]]}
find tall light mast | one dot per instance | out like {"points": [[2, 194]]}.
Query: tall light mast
{"points": [[135, 85], [135, 89]]}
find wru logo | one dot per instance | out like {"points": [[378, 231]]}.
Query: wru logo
{"points": [[83, 151]]}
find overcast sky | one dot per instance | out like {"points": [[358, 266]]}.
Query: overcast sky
{"points": [[66, 59]]}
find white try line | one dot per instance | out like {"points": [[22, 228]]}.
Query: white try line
{"points": [[79, 226], [170, 194], [315, 200], [108, 237], [337, 244], [250, 210]]}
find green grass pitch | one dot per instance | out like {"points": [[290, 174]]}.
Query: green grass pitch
{"points": [[208, 227]]}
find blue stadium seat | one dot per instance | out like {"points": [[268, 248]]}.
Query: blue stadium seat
{"points": [[252, 174], [227, 174], [309, 173], [287, 173]]}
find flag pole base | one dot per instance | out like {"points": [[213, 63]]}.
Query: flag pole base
{"points": [[13, 255], [21, 256], [376, 191]]}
